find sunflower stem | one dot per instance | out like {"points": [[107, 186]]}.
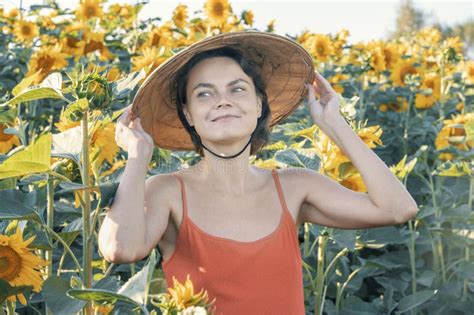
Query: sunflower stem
{"points": [[87, 245], [66, 247], [407, 125], [49, 222], [319, 294], [11, 308], [466, 250]]}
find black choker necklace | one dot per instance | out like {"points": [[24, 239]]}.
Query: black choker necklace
{"points": [[232, 156]]}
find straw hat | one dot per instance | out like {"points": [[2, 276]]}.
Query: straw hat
{"points": [[286, 67]]}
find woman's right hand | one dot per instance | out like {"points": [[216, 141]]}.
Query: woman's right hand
{"points": [[130, 136]]}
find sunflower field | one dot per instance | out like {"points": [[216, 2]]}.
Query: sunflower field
{"points": [[65, 77]]}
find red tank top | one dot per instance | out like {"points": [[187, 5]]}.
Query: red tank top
{"points": [[258, 277]]}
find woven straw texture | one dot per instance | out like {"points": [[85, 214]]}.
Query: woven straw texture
{"points": [[286, 66]]}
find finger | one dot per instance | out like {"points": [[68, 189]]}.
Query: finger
{"points": [[317, 88], [123, 118], [139, 124], [312, 100], [323, 83]]}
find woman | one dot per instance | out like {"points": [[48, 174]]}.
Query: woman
{"points": [[229, 225]]}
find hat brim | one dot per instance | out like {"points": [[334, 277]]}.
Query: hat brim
{"points": [[286, 67]]}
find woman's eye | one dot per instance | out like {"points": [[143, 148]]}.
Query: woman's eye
{"points": [[235, 89], [200, 94]]}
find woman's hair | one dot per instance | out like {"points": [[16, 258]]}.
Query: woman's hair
{"points": [[261, 134]]}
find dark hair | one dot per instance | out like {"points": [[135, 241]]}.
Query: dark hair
{"points": [[261, 134]]}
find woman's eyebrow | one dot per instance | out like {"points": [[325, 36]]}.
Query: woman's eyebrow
{"points": [[212, 85]]}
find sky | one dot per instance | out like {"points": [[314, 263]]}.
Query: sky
{"points": [[365, 20]]}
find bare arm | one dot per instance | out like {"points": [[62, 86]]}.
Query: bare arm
{"points": [[137, 208], [122, 232]]}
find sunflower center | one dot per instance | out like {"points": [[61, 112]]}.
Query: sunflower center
{"points": [[155, 40], [46, 63], [430, 84], [10, 263], [320, 49], [405, 71], [4, 136], [218, 9], [72, 42], [90, 11], [26, 30]]}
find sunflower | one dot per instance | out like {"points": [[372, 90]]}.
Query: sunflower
{"points": [[247, 16], [184, 295], [371, 135], [180, 16], [113, 74], [267, 164], [335, 82], [428, 36], [47, 59], [377, 59], [149, 60], [430, 81], [18, 265], [454, 43], [401, 69], [454, 127], [25, 31], [102, 309], [391, 54], [89, 9], [271, 26], [94, 41], [354, 182], [217, 11], [103, 140], [401, 105], [321, 47], [159, 36], [469, 72], [64, 123], [13, 13], [7, 141], [73, 46]]}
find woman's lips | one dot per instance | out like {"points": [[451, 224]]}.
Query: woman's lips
{"points": [[225, 118]]}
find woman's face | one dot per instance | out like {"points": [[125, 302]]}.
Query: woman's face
{"points": [[218, 86]]}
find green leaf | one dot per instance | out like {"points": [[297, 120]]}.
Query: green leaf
{"points": [[18, 205], [33, 159], [292, 157], [107, 193], [382, 236], [34, 94], [54, 81], [54, 292], [25, 83], [345, 238], [68, 144], [353, 305], [409, 302], [9, 115], [137, 286], [7, 290], [128, 83], [81, 105], [101, 295]]}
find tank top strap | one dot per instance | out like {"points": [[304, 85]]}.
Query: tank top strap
{"points": [[280, 193], [183, 195]]}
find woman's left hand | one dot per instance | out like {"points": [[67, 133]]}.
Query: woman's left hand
{"points": [[325, 110]]}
